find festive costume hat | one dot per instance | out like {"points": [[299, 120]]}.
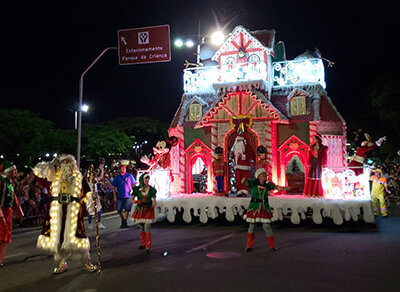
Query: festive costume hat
{"points": [[260, 171], [141, 179], [7, 166]]}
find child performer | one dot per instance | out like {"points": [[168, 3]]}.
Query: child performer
{"points": [[258, 210], [144, 211]]}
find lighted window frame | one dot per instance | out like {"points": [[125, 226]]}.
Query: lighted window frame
{"points": [[297, 105], [195, 112]]}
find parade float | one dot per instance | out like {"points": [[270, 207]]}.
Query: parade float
{"points": [[247, 95]]}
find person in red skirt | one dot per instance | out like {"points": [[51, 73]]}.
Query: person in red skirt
{"points": [[258, 210], [144, 196], [8, 202], [317, 155]]}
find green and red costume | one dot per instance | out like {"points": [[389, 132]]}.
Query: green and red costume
{"points": [[144, 211], [8, 202], [258, 209]]}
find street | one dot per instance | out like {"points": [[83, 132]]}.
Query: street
{"points": [[210, 257]]}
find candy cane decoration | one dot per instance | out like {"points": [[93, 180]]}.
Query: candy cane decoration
{"points": [[181, 159], [313, 130], [214, 144], [268, 145]]}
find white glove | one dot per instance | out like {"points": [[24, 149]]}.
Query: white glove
{"points": [[145, 159], [380, 141]]}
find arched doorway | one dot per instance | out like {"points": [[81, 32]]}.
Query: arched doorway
{"points": [[292, 162], [198, 168], [251, 141]]}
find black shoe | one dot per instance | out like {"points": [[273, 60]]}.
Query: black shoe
{"points": [[141, 247], [124, 225], [274, 249], [148, 250], [247, 249], [1, 265], [385, 216]]}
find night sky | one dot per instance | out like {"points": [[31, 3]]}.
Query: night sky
{"points": [[46, 47]]}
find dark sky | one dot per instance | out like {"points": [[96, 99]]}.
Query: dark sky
{"points": [[46, 47]]}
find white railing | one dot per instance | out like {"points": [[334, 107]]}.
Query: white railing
{"points": [[289, 73], [202, 79], [286, 73]]}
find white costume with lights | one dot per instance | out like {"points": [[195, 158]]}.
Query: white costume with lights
{"points": [[63, 232]]}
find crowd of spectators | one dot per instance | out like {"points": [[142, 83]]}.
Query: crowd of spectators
{"points": [[34, 198], [391, 170]]}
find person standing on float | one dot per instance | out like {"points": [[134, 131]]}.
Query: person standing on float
{"points": [[317, 155], [258, 210], [144, 196], [8, 203]]}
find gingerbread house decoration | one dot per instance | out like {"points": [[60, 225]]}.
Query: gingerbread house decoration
{"points": [[254, 91]]}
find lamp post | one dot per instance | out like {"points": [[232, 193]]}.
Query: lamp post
{"points": [[78, 150]]}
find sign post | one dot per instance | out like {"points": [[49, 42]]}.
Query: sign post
{"points": [[144, 45]]}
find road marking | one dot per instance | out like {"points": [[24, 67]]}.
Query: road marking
{"points": [[203, 246], [15, 255]]}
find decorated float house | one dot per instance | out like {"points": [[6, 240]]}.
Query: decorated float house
{"points": [[249, 88]]}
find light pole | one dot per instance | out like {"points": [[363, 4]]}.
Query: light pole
{"points": [[78, 150]]}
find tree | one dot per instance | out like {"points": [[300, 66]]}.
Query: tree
{"points": [[24, 136], [104, 141]]}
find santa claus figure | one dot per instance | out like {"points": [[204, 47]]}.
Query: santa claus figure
{"points": [[357, 162], [242, 162], [160, 166], [63, 233]]}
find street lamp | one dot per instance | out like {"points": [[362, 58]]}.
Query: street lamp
{"points": [[78, 150], [85, 109], [217, 38]]}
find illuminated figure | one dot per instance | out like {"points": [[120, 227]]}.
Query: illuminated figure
{"points": [[219, 168], [160, 166], [242, 165], [63, 233], [317, 155], [356, 163], [8, 204], [144, 196]]}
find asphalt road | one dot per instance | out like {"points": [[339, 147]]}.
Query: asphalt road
{"points": [[210, 257]]}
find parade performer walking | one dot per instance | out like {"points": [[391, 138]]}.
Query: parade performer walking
{"points": [[123, 185], [357, 162], [63, 233], [317, 155], [258, 210], [379, 186], [8, 204], [144, 196]]}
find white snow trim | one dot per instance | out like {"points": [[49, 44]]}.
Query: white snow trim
{"points": [[143, 220], [337, 210], [205, 206]]}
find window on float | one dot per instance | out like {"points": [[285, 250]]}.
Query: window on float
{"points": [[195, 112], [298, 106]]}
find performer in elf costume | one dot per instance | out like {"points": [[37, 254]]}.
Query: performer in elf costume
{"points": [[258, 210], [356, 163], [144, 196], [63, 233], [8, 203]]}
